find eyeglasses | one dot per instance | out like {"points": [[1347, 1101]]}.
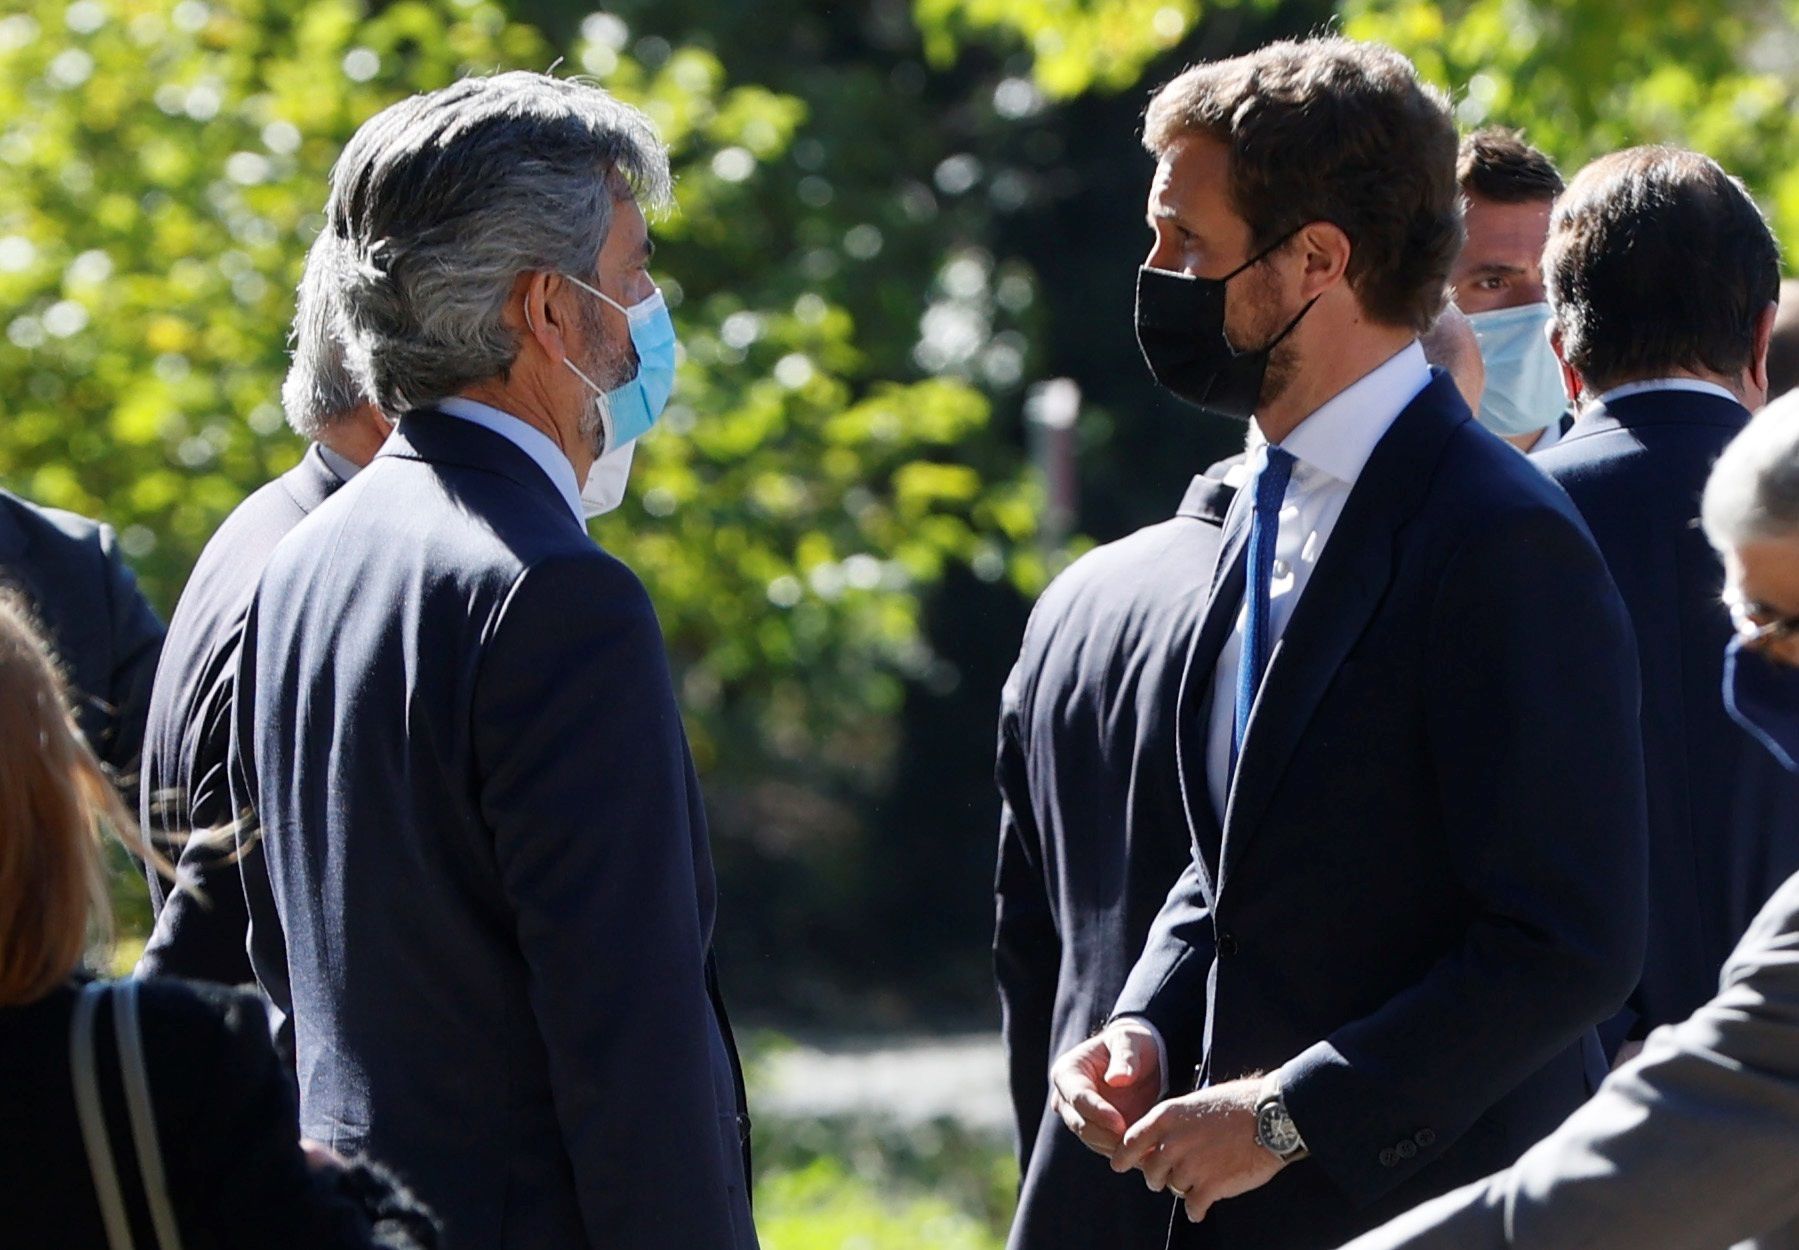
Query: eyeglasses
{"points": [[1755, 629]]}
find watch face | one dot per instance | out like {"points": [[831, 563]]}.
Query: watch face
{"points": [[1275, 1127]]}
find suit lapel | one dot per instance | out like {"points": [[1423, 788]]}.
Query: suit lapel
{"points": [[1191, 722], [1339, 600]]}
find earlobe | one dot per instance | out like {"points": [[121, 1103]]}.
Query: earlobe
{"points": [[1571, 380], [539, 317], [1764, 339], [1327, 256]]}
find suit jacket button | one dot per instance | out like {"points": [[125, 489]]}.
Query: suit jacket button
{"points": [[1389, 1157], [1407, 1150], [1227, 944], [1425, 1138]]}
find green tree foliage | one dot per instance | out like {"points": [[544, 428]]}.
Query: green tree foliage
{"points": [[1583, 79], [166, 167]]}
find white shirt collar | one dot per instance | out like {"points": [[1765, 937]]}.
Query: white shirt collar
{"points": [[528, 439], [1339, 437], [1665, 384], [343, 466]]}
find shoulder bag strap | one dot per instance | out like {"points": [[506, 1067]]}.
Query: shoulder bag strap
{"points": [[143, 1116], [82, 1068]]}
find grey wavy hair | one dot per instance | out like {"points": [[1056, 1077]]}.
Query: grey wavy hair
{"points": [[320, 388], [1753, 491], [441, 201]]}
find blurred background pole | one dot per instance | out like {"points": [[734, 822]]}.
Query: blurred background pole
{"points": [[1051, 410]]}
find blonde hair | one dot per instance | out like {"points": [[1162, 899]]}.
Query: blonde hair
{"points": [[56, 803]]}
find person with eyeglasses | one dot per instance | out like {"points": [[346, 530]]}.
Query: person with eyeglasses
{"points": [[1693, 1145]]}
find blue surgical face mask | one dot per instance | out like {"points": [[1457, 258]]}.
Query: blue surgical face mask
{"points": [[1524, 391], [631, 409], [1762, 695]]}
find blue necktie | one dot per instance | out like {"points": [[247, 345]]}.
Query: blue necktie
{"points": [[1264, 529]]}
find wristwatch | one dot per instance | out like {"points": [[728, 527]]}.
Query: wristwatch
{"points": [[1275, 1130]]}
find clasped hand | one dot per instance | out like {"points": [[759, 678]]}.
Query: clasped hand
{"points": [[1201, 1146]]}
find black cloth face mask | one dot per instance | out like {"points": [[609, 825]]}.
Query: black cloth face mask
{"points": [[1180, 329]]}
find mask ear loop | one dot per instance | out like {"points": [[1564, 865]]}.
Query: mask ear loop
{"points": [[599, 394], [1257, 259]]}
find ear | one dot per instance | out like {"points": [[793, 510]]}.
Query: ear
{"points": [[1758, 356], [1326, 250], [1571, 378], [543, 322]]}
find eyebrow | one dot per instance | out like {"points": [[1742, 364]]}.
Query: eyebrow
{"points": [[1496, 269], [1172, 215]]}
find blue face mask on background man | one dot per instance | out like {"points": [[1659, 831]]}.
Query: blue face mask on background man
{"points": [[631, 409], [1524, 391], [1762, 695]]}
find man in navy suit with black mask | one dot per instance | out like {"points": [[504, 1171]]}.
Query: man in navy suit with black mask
{"points": [[1663, 279], [486, 892], [1415, 885]]}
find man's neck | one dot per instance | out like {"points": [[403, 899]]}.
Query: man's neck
{"points": [[534, 412], [357, 435], [1325, 374]]}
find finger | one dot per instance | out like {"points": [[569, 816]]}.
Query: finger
{"points": [[1198, 1201], [1101, 1117], [1143, 1139], [1122, 1069], [1158, 1169]]}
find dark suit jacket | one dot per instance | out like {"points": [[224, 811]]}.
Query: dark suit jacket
{"points": [[1091, 837], [224, 1110], [1723, 816], [1428, 887], [87, 601], [200, 931], [486, 854]]}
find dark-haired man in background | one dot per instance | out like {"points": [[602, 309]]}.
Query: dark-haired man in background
{"points": [[1091, 835], [1663, 276], [1415, 887], [1508, 188]]}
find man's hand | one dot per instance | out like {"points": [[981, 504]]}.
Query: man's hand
{"points": [[1104, 1085], [1202, 1147]]}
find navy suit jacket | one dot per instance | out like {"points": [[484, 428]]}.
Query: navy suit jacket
{"points": [[200, 931], [86, 600], [1091, 836], [486, 859], [1428, 885], [1723, 816]]}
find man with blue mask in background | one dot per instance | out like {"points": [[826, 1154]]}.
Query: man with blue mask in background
{"points": [[486, 894], [1663, 278], [1508, 188], [1695, 1144]]}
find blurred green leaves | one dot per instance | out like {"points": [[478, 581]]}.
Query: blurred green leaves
{"points": [[1583, 79], [1075, 45], [167, 163]]}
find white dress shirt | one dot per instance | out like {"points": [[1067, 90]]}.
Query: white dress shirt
{"points": [[1698, 385], [343, 466], [528, 439], [1330, 447]]}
